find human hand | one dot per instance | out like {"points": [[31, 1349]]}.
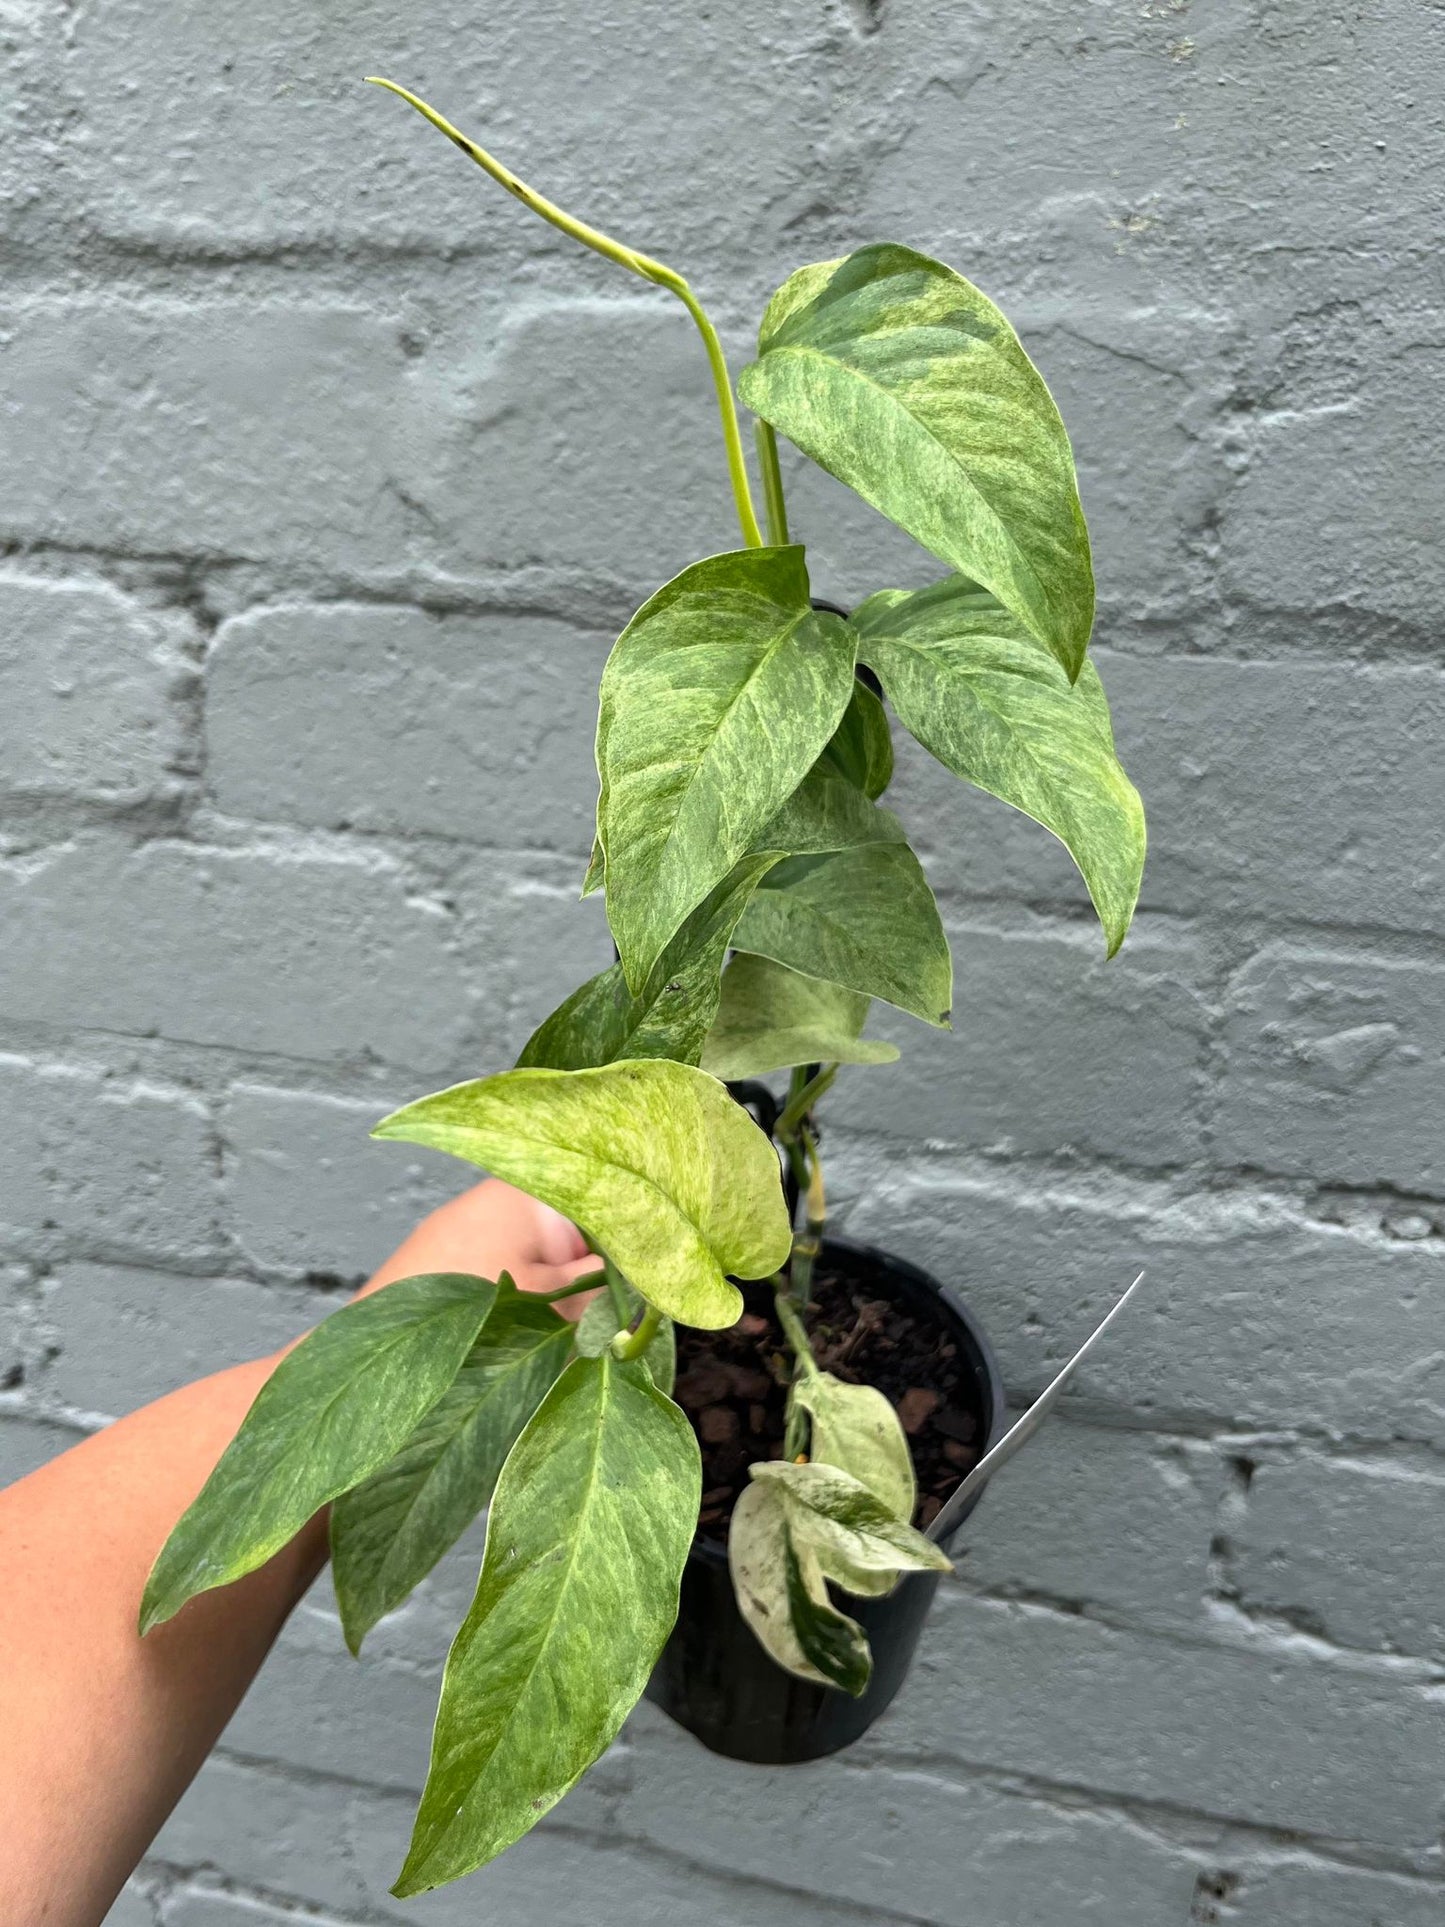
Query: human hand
{"points": [[491, 1229]]}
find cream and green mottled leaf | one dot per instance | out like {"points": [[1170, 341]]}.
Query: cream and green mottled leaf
{"points": [[771, 1018], [596, 874], [903, 380], [653, 1160], [865, 918], [599, 1325], [388, 1532], [849, 1526], [602, 1021], [982, 696], [334, 1410], [588, 1532], [718, 697], [781, 1592], [856, 1430]]}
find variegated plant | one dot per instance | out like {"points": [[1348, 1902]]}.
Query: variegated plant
{"points": [[741, 757]]}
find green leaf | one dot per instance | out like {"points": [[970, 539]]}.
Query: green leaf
{"points": [[653, 1160], [897, 376], [984, 698], [827, 812], [590, 1526], [782, 1595], [596, 869], [335, 1409], [856, 1430], [861, 748], [602, 1021], [717, 699], [848, 1525], [599, 1325], [864, 918], [388, 1532], [771, 1018]]}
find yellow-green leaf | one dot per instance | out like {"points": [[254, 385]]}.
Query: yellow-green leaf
{"points": [[771, 1018], [653, 1160], [864, 917]]}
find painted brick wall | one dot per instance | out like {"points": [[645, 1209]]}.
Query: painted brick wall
{"points": [[328, 477]]}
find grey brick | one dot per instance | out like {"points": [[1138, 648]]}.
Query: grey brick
{"points": [[125, 1337], [305, 952], [1272, 1736], [309, 1191], [134, 1908], [1308, 1893], [1329, 513], [235, 428], [587, 110], [953, 1851], [28, 1443], [107, 1161], [390, 719], [1332, 1065], [203, 1906], [1351, 1548], [1046, 1046], [508, 449], [87, 687], [1091, 1516], [1249, 1315]]}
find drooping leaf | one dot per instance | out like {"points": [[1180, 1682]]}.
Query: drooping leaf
{"points": [[717, 699], [771, 1018], [992, 705], [827, 812], [782, 1595], [653, 1160], [599, 1325], [588, 1532], [897, 376], [848, 1525], [865, 918], [602, 1021], [861, 748], [388, 1532], [335, 1409], [856, 1430]]}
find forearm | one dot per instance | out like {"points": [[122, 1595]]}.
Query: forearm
{"points": [[102, 1731]]}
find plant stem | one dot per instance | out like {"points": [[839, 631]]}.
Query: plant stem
{"points": [[801, 1099], [808, 1242], [636, 263], [633, 1344], [590, 1283], [794, 1329], [773, 502]]}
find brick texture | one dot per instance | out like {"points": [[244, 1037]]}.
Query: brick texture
{"points": [[329, 478]]}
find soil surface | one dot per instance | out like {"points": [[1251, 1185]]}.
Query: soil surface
{"points": [[733, 1386]]}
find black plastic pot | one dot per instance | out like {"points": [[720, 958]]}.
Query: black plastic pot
{"points": [[716, 1680]]}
